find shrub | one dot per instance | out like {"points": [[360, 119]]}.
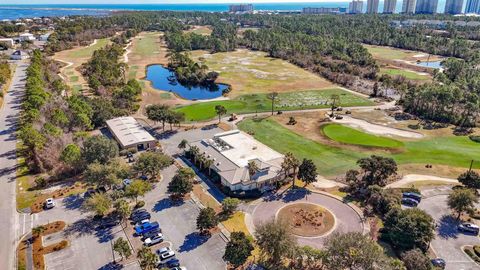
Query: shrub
{"points": [[140, 204], [474, 138], [476, 249], [40, 182]]}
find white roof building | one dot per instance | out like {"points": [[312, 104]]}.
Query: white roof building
{"points": [[232, 151], [130, 134], [19, 55]]}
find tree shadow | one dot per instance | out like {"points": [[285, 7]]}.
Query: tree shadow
{"points": [[104, 235], [81, 227], [166, 203], [447, 227], [193, 241], [295, 194], [73, 202]]}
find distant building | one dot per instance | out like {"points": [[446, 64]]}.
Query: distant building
{"points": [[231, 152], [372, 6], [473, 6], [7, 42], [130, 134], [19, 55], [453, 7], [323, 10], [242, 8], [426, 7], [44, 37], [408, 6], [389, 6], [26, 37], [355, 7]]}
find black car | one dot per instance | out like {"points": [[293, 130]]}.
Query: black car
{"points": [[138, 213], [151, 233], [438, 262], [409, 202], [141, 217], [170, 264]]}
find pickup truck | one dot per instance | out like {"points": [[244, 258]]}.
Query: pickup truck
{"points": [[146, 227]]}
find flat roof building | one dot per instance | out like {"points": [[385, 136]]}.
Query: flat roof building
{"points": [[453, 7], [372, 6], [241, 8], [323, 10], [426, 7], [473, 6], [408, 6], [130, 134], [389, 6], [355, 7], [232, 151]]}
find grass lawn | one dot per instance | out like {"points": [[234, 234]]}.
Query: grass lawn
{"points": [[405, 73], [389, 53], [260, 103], [146, 45], [348, 135], [86, 52], [254, 72], [236, 223], [73, 79], [454, 151]]}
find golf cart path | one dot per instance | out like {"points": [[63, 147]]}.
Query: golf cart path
{"points": [[411, 178], [376, 128]]}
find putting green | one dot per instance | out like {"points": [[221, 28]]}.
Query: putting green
{"points": [[348, 135], [456, 151]]}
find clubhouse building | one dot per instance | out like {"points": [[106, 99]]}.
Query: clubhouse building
{"points": [[130, 134], [231, 152]]}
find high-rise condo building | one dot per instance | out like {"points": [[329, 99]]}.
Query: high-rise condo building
{"points": [[473, 6], [408, 6], [355, 7], [426, 6], [389, 6], [372, 6], [453, 6]]}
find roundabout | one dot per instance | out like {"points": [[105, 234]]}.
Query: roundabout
{"points": [[307, 219], [311, 216]]}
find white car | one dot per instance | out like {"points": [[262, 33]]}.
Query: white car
{"points": [[167, 255], [49, 203], [158, 238], [163, 250], [143, 221]]}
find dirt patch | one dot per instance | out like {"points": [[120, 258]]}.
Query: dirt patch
{"points": [[306, 219]]}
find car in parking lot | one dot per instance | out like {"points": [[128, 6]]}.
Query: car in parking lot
{"points": [[179, 268], [413, 195], [469, 228], [409, 202], [172, 262], [141, 217], [153, 240], [146, 227], [109, 223], [438, 262], [137, 212], [89, 193], [49, 203], [151, 233]]}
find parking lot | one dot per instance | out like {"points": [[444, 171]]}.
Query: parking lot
{"points": [[448, 241]]}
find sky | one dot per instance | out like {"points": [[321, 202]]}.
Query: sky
{"points": [[33, 2]]}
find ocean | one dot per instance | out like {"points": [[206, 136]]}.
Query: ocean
{"points": [[12, 12]]}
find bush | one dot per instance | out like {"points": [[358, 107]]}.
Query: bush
{"points": [[40, 182], [140, 204], [476, 249], [474, 138]]}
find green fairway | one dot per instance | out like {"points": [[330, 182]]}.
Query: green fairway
{"points": [[405, 73], [387, 52], [260, 103], [455, 151], [87, 52], [344, 134], [147, 44]]}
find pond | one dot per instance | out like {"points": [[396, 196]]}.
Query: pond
{"points": [[431, 64], [164, 79]]}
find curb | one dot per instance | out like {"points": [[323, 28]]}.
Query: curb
{"points": [[355, 208]]}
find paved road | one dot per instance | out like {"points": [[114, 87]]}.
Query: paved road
{"points": [[9, 114], [448, 241]]}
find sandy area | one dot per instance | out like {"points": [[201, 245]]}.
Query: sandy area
{"points": [[411, 178], [377, 129]]}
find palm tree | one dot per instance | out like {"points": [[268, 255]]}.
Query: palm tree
{"points": [[220, 110], [194, 150], [37, 231], [252, 168], [272, 96], [334, 100], [208, 164], [290, 162], [182, 145]]}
